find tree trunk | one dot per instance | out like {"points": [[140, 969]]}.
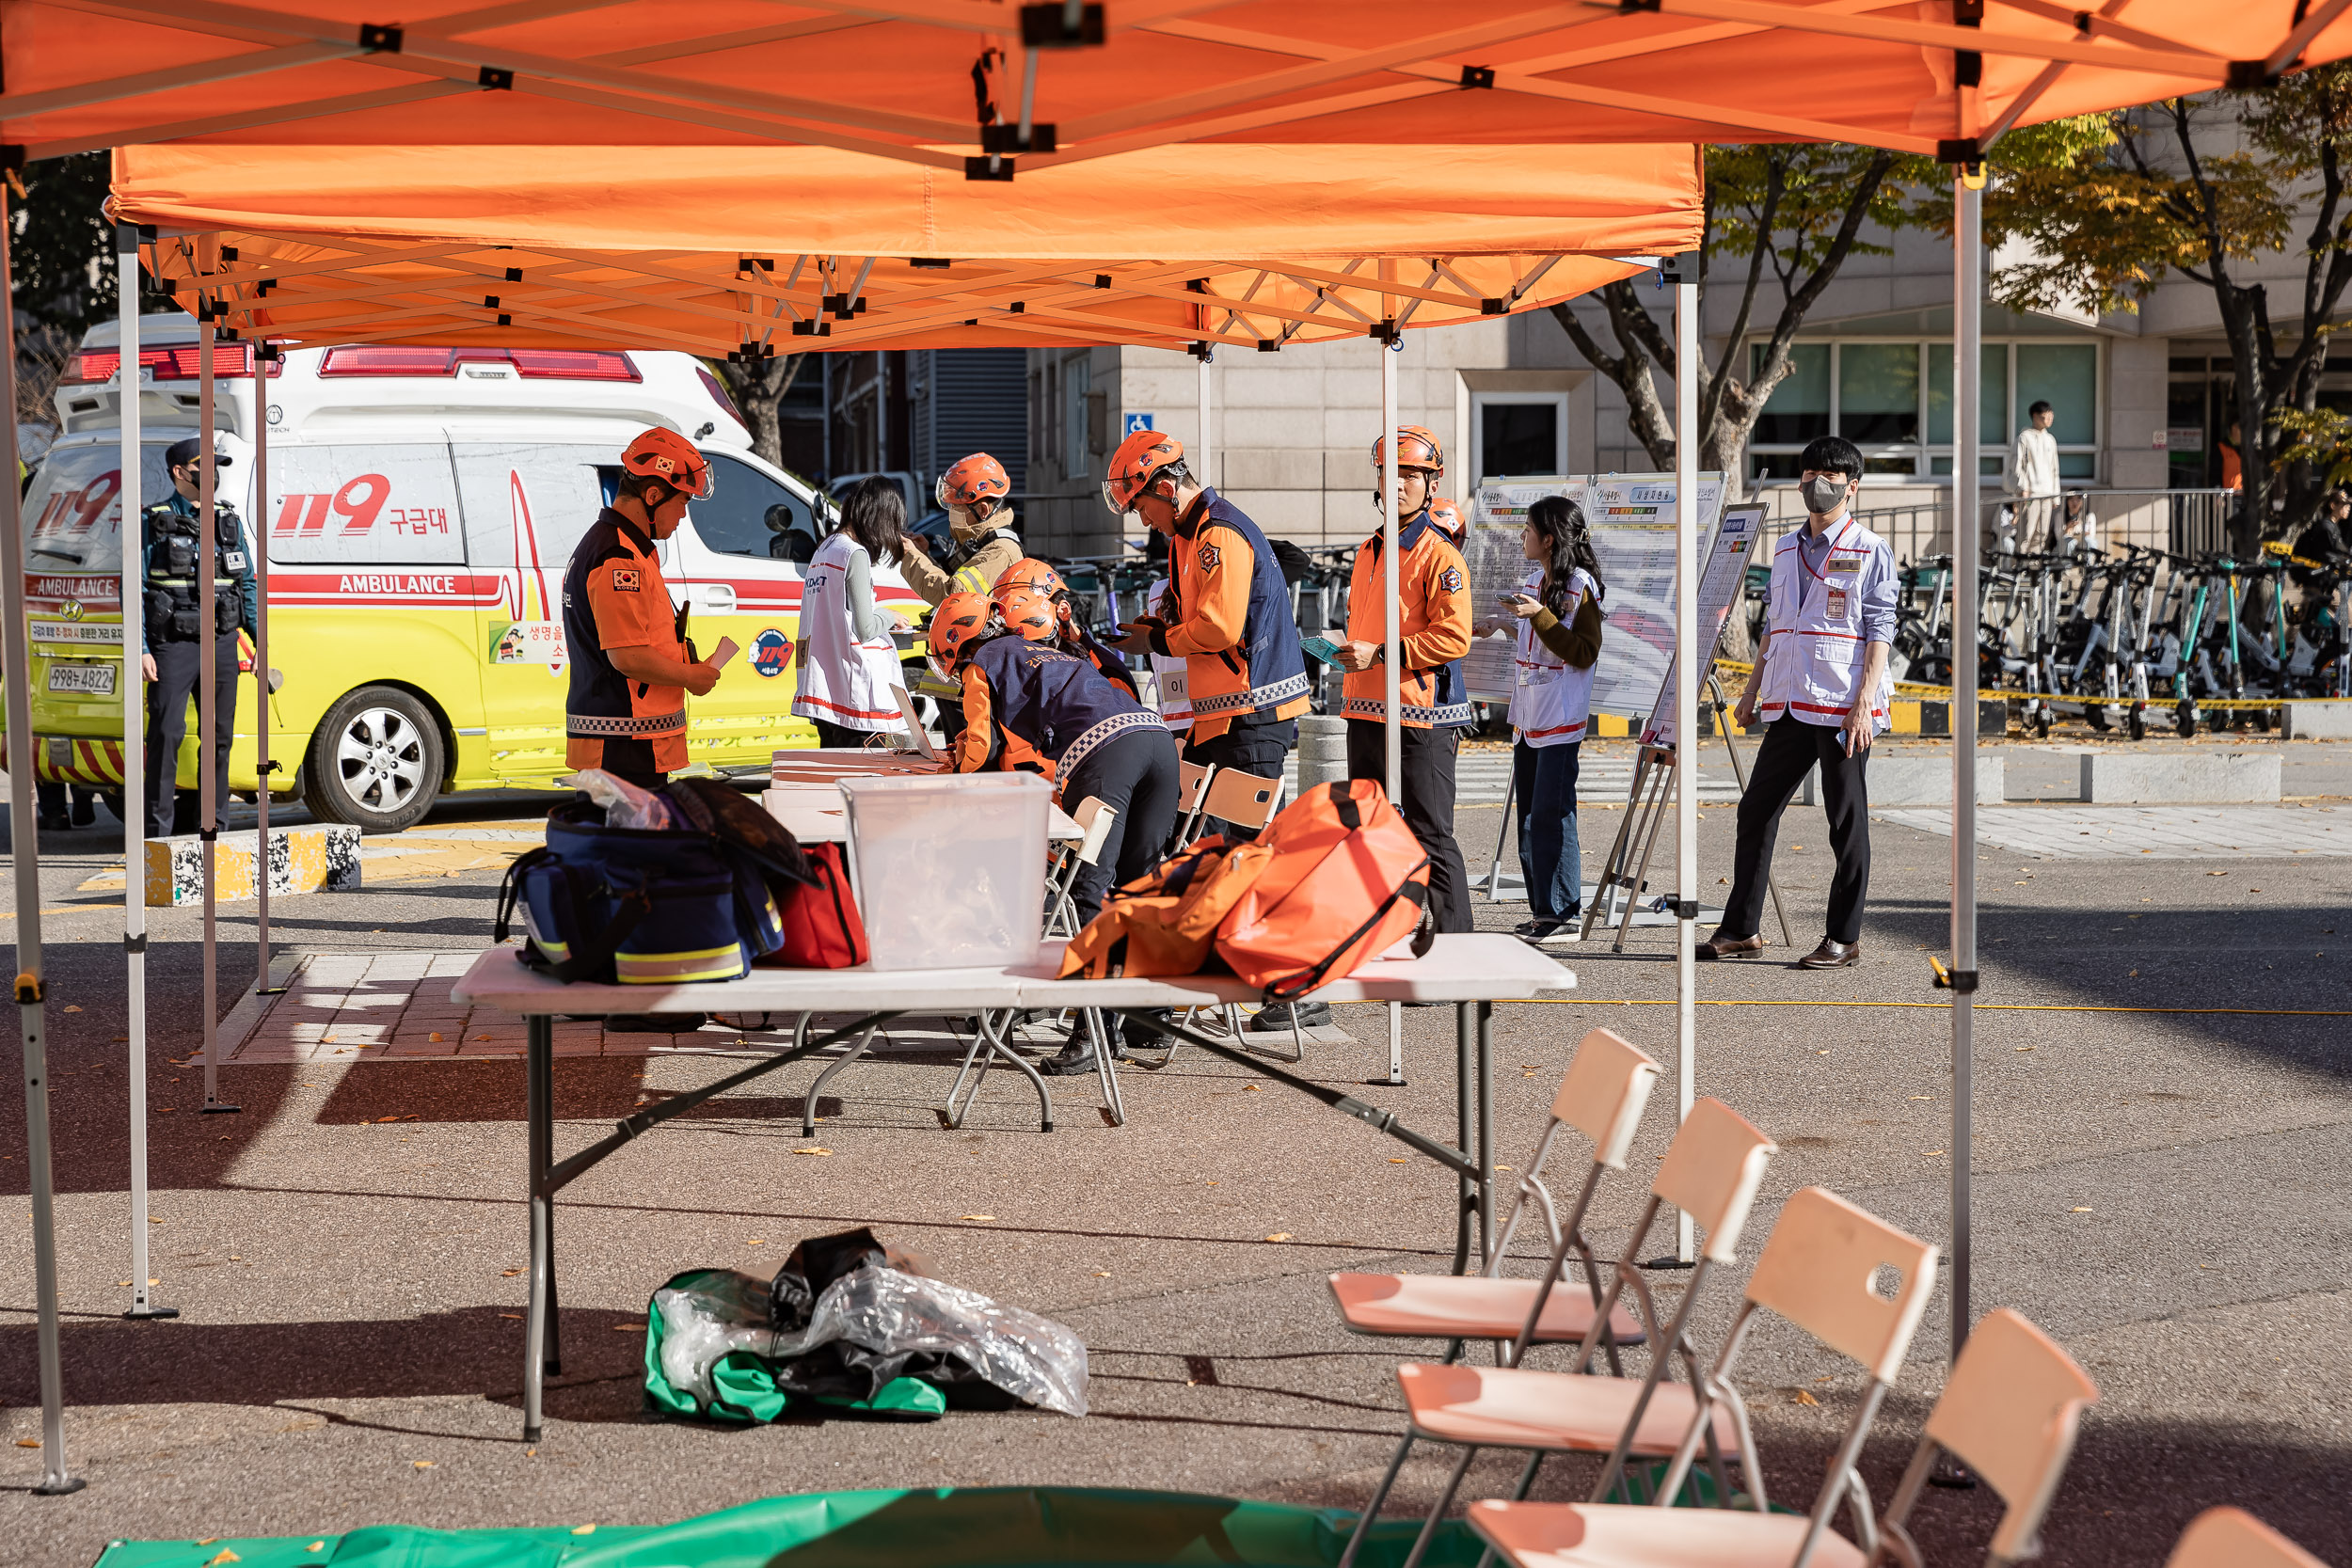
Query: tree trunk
{"points": [[758, 390]]}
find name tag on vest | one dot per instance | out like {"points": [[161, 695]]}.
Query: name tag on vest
{"points": [[1844, 563], [1837, 604]]}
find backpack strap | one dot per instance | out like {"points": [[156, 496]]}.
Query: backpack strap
{"points": [[589, 954]]}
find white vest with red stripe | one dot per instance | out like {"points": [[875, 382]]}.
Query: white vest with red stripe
{"points": [[842, 679], [1814, 657], [1549, 698]]}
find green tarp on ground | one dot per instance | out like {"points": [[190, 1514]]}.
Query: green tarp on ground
{"points": [[1003, 1527]]}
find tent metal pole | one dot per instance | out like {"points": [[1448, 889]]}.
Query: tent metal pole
{"points": [[258, 520], [32, 1014], [134, 694], [1391, 654], [1968, 355], [1687, 674], [207, 709], [1206, 470]]}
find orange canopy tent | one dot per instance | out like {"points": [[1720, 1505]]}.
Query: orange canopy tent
{"points": [[965, 86], [990, 91], [492, 245]]}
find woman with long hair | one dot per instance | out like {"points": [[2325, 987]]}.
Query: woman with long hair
{"points": [[847, 664], [1558, 630]]}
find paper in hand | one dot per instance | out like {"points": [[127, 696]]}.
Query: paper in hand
{"points": [[723, 652]]}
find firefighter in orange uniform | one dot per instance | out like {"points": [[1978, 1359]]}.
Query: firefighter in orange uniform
{"points": [[631, 664], [1432, 634]]}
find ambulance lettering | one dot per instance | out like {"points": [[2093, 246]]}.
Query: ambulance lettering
{"points": [[403, 585], [361, 505]]}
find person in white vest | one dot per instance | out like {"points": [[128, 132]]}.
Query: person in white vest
{"points": [[848, 665], [1559, 632], [1822, 688]]}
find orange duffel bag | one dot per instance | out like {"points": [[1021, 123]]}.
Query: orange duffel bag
{"points": [[1344, 880], [1164, 922]]}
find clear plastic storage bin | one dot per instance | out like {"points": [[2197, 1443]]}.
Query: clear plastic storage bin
{"points": [[951, 871]]}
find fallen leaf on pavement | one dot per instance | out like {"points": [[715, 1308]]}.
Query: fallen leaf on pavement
{"points": [[979, 1217], [757, 1241], [1396, 1160], [628, 1328], [316, 1546], [1252, 1089], [224, 1555], [74, 1009], [1279, 1236], [2081, 1208], [436, 1040], [812, 1151], [516, 1316], [423, 1463], [584, 1530], [34, 1443], [509, 1273], [1804, 1398]]}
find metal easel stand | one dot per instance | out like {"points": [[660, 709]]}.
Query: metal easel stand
{"points": [[1645, 813]]}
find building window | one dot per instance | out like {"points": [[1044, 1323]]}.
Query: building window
{"points": [[1873, 393], [1518, 432]]}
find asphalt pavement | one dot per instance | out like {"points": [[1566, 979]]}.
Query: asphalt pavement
{"points": [[2163, 1121]]}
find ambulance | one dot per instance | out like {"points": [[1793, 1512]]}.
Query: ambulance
{"points": [[422, 506]]}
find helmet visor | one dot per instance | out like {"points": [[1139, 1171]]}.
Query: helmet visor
{"points": [[939, 490], [697, 483]]}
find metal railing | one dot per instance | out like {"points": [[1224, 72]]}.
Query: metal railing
{"points": [[2180, 522]]}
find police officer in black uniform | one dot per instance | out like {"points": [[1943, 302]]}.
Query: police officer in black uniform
{"points": [[176, 562]]}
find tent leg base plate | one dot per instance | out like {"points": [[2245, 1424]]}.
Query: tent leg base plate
{"points": [[139, 1313], [530, 1434], [1668, 1263], [222, 1109], [60, 1487]]}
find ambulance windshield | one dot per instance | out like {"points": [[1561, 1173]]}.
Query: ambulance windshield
{"points": [[73, 515]]}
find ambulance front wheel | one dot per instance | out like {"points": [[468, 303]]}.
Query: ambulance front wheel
{"points": [[376, 763]]}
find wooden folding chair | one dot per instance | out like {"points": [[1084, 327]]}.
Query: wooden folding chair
{"points": [[1818, 1272], [1193, 777], [2008, 1413], [2232, 1538], [1711, 1172], [1602, 1096]]}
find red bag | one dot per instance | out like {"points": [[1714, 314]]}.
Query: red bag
{"points": [[821, 928], [1345, 879]]}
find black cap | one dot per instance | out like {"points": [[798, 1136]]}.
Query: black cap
{"points": [[181, 454]]}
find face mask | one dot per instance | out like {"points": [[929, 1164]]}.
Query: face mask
{"points": [[1824, 495]]}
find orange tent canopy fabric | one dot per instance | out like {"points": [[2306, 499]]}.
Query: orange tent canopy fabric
{"points": [[818, 248], [943, 83]]}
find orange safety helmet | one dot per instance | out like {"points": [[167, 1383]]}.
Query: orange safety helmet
{"points": [[664, 455], [1135, 464], [1416, 447], [962, 619], [1029, 572], [975, 479], [1028, 611]]}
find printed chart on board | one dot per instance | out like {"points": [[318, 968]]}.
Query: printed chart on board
{"points": [[1722, 571], [1632, 520]]}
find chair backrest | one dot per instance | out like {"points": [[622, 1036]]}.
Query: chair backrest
{"points": [[1194, 778], [1245, 799], [2232, 1538], [1095, 819], [1816, 1269], [1607, 1085], [2008, 1413], [1711, 1171]]}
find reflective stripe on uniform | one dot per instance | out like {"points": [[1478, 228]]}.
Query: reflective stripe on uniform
{"points": [[1209, 705], [1117, 724], [591, 724], [1443, 717]]}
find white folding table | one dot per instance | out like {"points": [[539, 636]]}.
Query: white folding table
{"points": [[1472, 972]]}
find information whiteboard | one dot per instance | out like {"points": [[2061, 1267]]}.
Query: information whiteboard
{"points": [[1632, 521], [1722, 572]]}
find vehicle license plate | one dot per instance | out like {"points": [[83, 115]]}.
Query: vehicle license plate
{"points": [[96, 680]]}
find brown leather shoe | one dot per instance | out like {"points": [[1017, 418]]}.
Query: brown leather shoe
{"points": [[1832, 955], [1722, 946]]}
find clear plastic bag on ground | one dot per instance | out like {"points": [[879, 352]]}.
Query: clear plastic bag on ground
{"points": [[895, 1317]]}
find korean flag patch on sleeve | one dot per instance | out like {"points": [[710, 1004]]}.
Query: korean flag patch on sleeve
{"points": [[625, 580]]}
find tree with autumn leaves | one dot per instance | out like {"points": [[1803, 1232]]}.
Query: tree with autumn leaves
{"points": [[2213, 189]]}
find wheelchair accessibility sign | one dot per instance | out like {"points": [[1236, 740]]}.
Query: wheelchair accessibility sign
{"points": [[1135, 422]]}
